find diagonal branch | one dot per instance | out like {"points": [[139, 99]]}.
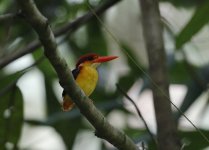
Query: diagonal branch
{"points": [[68, 28], [87, 108]]}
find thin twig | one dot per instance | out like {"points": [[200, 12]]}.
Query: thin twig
{"points": [[69, 28], [9, 17], [138, 112]]}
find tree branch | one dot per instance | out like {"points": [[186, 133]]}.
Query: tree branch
{"points": [[166, 126], [95, 117], [8, 17], [68, 28]]}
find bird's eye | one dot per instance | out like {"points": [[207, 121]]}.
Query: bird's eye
{"points": [[90, 58]]}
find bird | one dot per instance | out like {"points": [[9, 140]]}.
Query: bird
{"points": [[85, 75]]}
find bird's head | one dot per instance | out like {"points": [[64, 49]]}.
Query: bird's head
{"points": [[93, 60]]}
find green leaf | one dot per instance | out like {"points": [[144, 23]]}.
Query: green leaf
{"points": [[96, 40], [68, 129], [184, 3], [135, 72], [198, 20], [44, 66], [6, 80], [11, 110], [193, 140], [49, 77], [90, 41], [194, 91], [196, 86], [141, 136], [135, 133], [51, 99], [127, 81], [178, 72]]}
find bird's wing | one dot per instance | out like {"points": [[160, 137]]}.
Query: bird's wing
{"points": [[75, 73]]}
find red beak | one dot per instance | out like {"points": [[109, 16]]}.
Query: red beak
{"points": [[102, 59]]}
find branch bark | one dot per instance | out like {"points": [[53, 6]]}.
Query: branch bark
{"points": [[166, 126], [68, 28], [103, 128], [8, 17]]}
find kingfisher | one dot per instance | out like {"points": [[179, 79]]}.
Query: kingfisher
{"points": [[85, 75]]}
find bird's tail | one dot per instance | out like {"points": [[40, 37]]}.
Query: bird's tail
{"points": [[67, 104]]}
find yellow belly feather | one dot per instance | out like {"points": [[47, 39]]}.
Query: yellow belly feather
{"points": [[87, 81]]}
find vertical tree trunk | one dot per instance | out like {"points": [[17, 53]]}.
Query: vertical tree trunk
{"points": [[166, 127]]}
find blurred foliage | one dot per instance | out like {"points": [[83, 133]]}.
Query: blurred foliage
{"points": [[185, 3], [11, 120], [15, 34], [198, 20], [191, 140]]}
